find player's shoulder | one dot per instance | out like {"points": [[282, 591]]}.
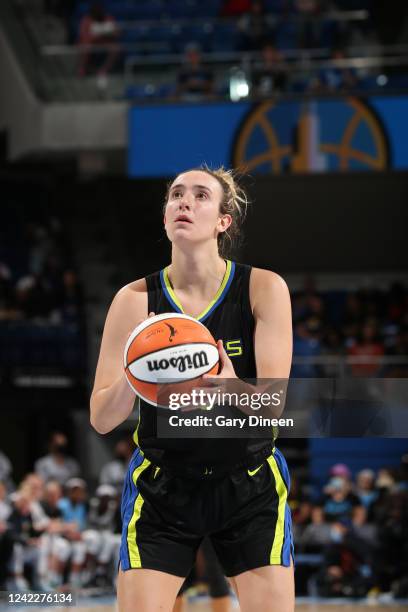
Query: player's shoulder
{"points": [[267, 279], [267, 288], [130, 296]]}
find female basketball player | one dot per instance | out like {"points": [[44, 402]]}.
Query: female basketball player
{"points": [[179, 490]]}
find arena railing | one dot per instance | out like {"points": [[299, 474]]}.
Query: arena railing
{"points": [[60, 63]]}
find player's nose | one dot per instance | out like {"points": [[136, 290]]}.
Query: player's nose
{"points": [[185, 203]]}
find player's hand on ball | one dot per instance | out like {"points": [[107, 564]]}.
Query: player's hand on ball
{"points": [[227, 369]]}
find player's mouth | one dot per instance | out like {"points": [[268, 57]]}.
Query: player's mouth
{"points": [[182, 219]]}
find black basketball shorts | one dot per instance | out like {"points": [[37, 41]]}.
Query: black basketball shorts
{"points": [[244, 512]]}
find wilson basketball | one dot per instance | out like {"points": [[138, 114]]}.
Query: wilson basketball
{"points": [[168, 349]]}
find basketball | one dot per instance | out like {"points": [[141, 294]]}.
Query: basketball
{"points": [[167, 349]]}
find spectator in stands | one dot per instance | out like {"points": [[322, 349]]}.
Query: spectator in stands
{"points": [[232, 8], [54, 549], [270, 76], [74, 510], [194, 81], [346, 569], [365, 489], [339, 499], [368, 345], [102, 541], [336, 77], [341, 470], [316, 535], [253, 27], [100, 30], [306, 343], [25, 535], [73, 506], [364, 530], [113, 472], [57, 465]]}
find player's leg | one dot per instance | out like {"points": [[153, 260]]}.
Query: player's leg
{"points": [[217, 583], [147, 590], [270, 589], [256, 549]]}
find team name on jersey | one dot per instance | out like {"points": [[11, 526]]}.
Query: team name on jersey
{"points": [[233, 348]]}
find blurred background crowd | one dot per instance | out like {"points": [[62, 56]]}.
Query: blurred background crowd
{"points": [[191, 50], [351, 535]]}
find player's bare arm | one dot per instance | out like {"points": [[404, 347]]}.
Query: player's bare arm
{"points": [[112, 399]]}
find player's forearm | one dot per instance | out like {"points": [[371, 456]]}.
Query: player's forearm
{"points": [[111, 406]]}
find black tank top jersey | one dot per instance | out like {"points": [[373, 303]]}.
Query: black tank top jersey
{"points": [[228, 317]]}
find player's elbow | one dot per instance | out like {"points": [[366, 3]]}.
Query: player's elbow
{"points": [[100, 426], [97, 421]]}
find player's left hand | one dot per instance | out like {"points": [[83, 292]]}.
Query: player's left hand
{"points": [[216, 383]]}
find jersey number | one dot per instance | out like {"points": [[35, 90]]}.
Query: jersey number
{"points": [[233, 348]]}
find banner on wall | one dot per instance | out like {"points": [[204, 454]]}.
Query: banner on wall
{"points": [[272, 137]]}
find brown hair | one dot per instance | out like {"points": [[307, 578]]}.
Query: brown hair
{"points": [[234, 203]]}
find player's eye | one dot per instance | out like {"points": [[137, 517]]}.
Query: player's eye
{"points": [[202, 195], [177, 194]]}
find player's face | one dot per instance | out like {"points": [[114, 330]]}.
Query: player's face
{"points": [[193, 208]]}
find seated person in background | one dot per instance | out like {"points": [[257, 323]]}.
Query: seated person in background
{"points": [[269, 76], [339, 499], [25, 538], [346, 569], [194, 81], [74, 513], [99, 29], [335, 78], [317, 534], [101, 540], [367, 345], [113, 472], [365, 488], [57, 465]]}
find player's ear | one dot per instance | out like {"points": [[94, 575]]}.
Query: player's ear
{"points": [[224, 222]]}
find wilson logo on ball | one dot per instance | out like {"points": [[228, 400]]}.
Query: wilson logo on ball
{"points": [[196, 360]]}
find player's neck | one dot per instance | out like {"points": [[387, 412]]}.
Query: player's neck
{"points": [[201, 270]]}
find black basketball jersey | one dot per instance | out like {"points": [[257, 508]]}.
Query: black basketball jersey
{"points": [[228, 317]]}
